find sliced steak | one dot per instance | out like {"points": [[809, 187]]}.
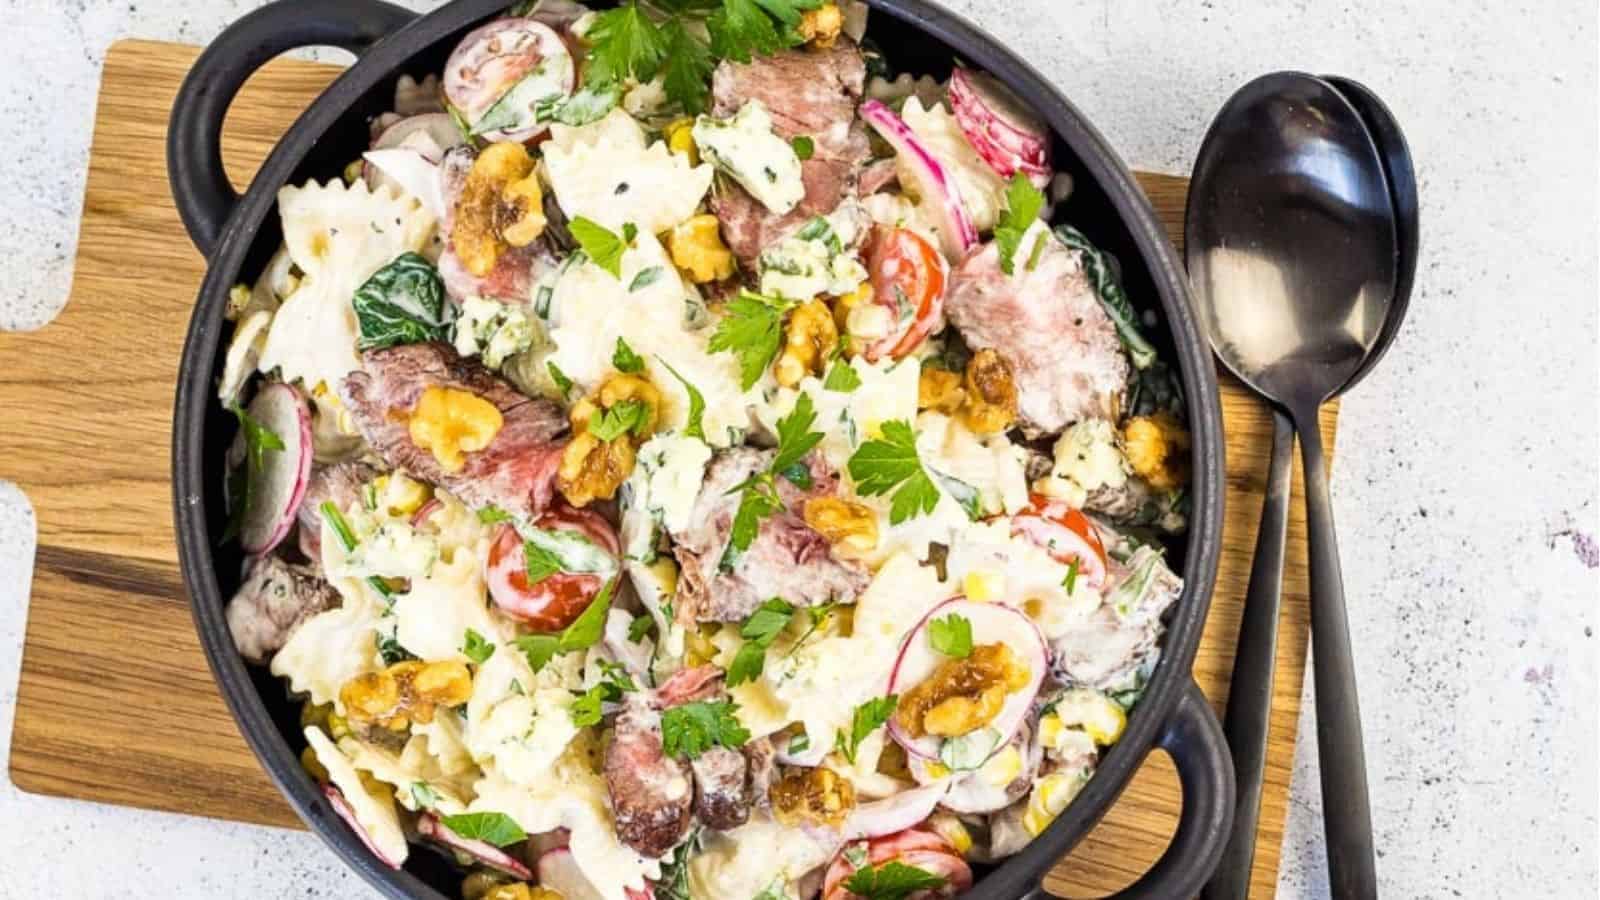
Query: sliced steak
{"points": [[810, 93], [651, 795], [1049, 324], [516, 472], [271, 603], [340, 483], [721, 788], [761, 757], [787, 558], [689, 685]]}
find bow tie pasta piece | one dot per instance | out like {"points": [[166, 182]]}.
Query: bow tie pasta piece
{"points": [[604, 172], [338, 236]]}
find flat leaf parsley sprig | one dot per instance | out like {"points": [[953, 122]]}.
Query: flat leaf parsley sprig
{"points": [[758, 494], [642, 41]]}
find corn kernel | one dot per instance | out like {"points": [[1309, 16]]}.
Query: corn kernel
{"points": [[1102, 718], [398, 495], [1002, 768], [451, 423], [936, 770], [697, 248], [1050, 729], [680, 139], [1050, 796], [950, 828], [982, 586]]}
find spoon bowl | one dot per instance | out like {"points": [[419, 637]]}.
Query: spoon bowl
{"points": [[1292, 238]]}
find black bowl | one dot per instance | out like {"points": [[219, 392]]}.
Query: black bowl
{"points": [[238, 233]]}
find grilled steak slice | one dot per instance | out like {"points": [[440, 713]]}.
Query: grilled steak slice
{"points": [[651, 794], [722, 791], [1049, 324], [810, 93], [341, 483], [271, 603], [787, 558], [516, 472]]}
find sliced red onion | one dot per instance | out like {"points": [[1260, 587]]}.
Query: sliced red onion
{"points": [[284, 474], [424, 511], [992, 623], [342, 807], [429, 826], [1000, 128], [929, 180], [894, 813], [560, 872]]}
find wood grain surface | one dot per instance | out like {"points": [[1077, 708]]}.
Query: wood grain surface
{"points": [[116, 703]]}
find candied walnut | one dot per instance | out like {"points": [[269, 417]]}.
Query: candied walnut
{"points": [[962, 695], [809, 337], [819, 796], [406, 692], [451, 423], [592, 469], [500, 206], [939, 390], [991, 393], [696, 245], [845, 305], [1157, 449], [845, 523], [821, 26]]}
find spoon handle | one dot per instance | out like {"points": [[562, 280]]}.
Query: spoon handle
{"points": [[1346, 815], [1250, 698]]}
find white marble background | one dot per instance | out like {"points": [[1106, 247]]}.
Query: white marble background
{"points": [[1466, 479]]}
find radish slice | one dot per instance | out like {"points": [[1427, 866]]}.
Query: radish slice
{"points": [[424, 511], [992, 623], [429, 826], [559, 872], [897, 812], [1000, 128], [342, 807], [915, 847], [430, 134], [929, 180], [505, 76], [280, 483]]}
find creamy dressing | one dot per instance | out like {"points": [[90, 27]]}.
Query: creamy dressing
{"points": [[751, 153]]}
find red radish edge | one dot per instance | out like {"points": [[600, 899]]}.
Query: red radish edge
{"points": [[453, 88], [999, 128], [424, 511], [560, 872], [429, 826], [1042, 530], [1021, 702], [956, 232], [342, 807], [286, 473], [440, 129]]}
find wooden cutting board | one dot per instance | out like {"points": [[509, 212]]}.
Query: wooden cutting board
{"points": [[116, 703]]}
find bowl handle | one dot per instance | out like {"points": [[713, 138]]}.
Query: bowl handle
{"points": [[1193, 737], [200, 186]]}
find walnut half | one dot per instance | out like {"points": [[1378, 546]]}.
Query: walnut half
{"points": [[500, 206]]}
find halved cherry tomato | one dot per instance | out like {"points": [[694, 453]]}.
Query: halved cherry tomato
{"points": [[914, 847], [908, 279], [556, 600], [1066, 534]]}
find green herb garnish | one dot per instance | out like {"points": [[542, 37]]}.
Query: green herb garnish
{"points": [[691, 729], [890, 463]]}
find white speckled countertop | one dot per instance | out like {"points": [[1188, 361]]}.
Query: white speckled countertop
{"points": [[1466, 479]]}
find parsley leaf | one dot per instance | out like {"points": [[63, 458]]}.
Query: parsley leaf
{"points": [[493, 515], [767, 622], [602, 245], [951, 635], [258, 439], [1071, 581], [804, 147], [687, 68], [563, 383], [894, 880], [585, 709], [748, 664], [867, 718], [691, 729], [1023, 203], [540, 562], [842, 378], [739, 28], [697, 404], [476, 648], [640, 627], [580, 635], [539, 649], [795, 437], [495, 828], [752, 330], [890, 463], [624, 42], [758, 501], [624, 359], [629, 415], [645, 278]]}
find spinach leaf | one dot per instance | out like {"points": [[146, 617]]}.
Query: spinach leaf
{"points": [[1098, 267], [403, 303]]}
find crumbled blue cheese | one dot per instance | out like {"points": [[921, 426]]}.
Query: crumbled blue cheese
{"points": [[1087, 459], [388, 548], [746, 148], [492, 331], [674, 467], [814, 261]]}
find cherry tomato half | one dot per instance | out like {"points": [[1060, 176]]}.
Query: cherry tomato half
{"points": [[1066, 534], [553, 602], [908, 279], [914, 847]]}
